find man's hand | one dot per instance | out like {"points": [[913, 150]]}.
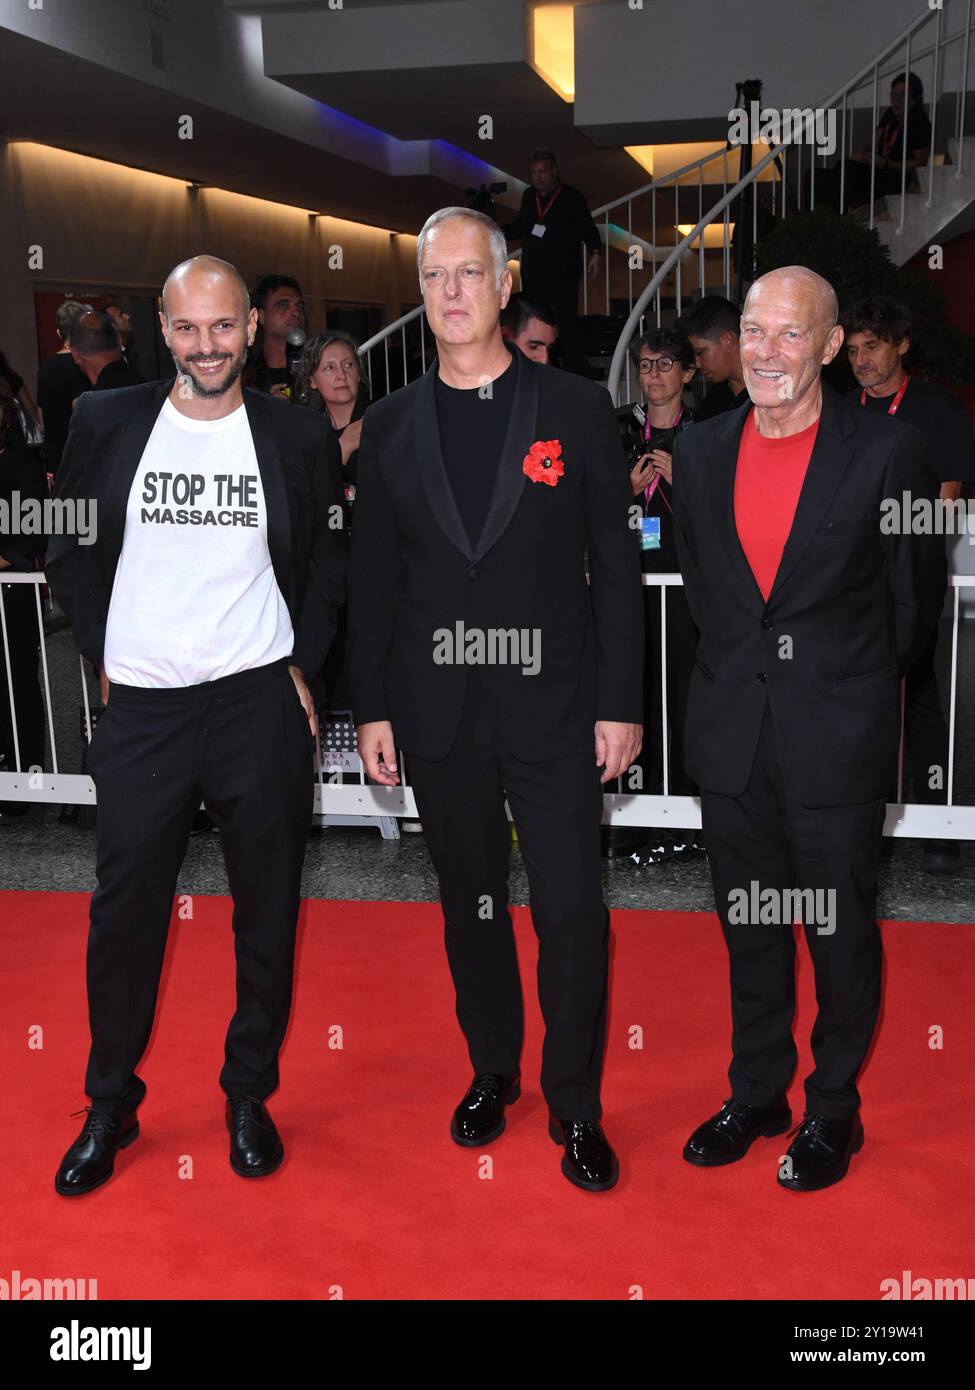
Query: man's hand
{"points": [[595, 265], [103, 686], [617, 747], [281, 388], [377, 749], [304, 695]]}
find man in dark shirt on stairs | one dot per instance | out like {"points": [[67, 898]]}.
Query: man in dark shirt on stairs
{"points": [[553, 225]]}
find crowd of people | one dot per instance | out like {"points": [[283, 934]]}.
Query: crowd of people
{"points": [[324, 372]]}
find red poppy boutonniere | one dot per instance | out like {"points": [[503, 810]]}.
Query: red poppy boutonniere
{"points": [[543, 462]]}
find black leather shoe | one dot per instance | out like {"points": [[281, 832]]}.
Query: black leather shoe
{"points": [[588, 1161], [821, 1151], [91, 1159], [729, 1134], [480, 1116], [255, 1145]]}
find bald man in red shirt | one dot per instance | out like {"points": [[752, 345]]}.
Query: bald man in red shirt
{"points": [[809, 612]]}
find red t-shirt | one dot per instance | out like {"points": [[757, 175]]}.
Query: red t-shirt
{"points": [[768, 481]]}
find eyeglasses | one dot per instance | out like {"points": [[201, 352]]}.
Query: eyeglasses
{"points": [[662, 364]]}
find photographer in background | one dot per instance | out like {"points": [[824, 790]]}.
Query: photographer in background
{"points": [[280, 306]]}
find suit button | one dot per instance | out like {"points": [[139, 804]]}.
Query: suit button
{"points": [[762, 677], [766, 624], [474, 574]]}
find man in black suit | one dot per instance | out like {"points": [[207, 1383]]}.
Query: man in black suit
{"points": [[475, 638], [810, 609], [207, 604]]}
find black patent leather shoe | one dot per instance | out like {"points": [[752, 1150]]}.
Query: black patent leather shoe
{"points": [[820, 1153], [588, 1161], [255, 1145], [729, 1134], [480, 1116], [90, 1161]]}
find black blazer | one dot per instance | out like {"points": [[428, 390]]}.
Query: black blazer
{"points": [[413, 571], [299, 462], [857, 605]]}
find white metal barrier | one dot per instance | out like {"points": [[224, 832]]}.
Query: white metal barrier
{"points": [[360, 801]]}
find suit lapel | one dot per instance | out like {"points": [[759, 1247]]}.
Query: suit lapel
{"points": [[121, 467], [726, 466], [510, 481], [426, 440], [830, 456], [258, 407]]}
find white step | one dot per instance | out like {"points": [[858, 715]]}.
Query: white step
{"points": [[948, 193]]}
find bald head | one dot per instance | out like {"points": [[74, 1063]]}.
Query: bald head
{"points": [[788, 334], [200, 272], [804, 286], [208, 327]]}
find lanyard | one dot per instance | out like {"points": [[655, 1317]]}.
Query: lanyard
{"points": [[652, 487], [543, 213], [895, 403], [889, 140]]}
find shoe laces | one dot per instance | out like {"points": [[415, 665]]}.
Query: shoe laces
{"points": [[99, 1124], [814, 1127], [737, 1111], [486, 1083], [244, 1110]]}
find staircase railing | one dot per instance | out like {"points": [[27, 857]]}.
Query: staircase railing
{"points": [[867, 78], [790, 169], [403, 342]]}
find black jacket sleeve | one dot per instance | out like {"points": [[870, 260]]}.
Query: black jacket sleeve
{"points": [[614, 571], [70, 567], [916, 563], [374, 583], [325, 581]]}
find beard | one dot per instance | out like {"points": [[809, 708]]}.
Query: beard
{"points": [[206, 389]]}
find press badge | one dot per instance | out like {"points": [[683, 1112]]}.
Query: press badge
{"points": [[650, 533], [538, 229]]}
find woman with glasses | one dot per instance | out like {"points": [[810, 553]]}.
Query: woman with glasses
{"points": [[665, 362]]}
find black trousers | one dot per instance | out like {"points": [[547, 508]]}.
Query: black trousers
{"points": [[925, 729], [556, 808], [562, 296], [23, 641], [767, 838], [241, 744]]}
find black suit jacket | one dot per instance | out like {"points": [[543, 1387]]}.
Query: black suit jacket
{"points": [[300, 465], [414, 572], [856, 605]]}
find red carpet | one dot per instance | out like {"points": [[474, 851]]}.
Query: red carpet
{"points": [[375, 1199]]}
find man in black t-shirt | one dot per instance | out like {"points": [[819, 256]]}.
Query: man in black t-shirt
{"points": [[878, 339], [884, 162], [280, 307], [553, 225], [712, 326], [59, 383], [95, 347], [480, 650]]}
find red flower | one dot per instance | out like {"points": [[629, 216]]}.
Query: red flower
{"points": [[543, 462]]}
